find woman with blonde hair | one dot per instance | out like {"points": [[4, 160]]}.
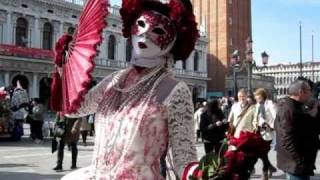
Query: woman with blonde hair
{"points": [[265, 116]]}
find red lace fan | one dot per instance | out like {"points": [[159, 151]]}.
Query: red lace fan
{"points": [[75, 55]]}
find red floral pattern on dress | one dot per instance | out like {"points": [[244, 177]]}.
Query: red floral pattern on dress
{"points": [[135, 139]]}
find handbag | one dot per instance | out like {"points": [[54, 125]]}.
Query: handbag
{"points": [[29, 119], [59, 129], [266, 133]]}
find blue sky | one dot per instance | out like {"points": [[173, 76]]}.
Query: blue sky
{"points": [[275, 29]]}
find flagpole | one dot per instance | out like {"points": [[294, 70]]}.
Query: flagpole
{"points": [[300, 29], [312, 57]]}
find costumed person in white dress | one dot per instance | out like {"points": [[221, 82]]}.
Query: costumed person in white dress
{"points": [[142, 110]]}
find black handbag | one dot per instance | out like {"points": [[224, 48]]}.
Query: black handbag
{"points": [[59, 129], [29, 119]]}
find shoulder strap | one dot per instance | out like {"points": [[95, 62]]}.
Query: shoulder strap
{"points": [[243, 112]]}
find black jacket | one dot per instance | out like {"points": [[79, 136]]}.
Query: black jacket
{"points": [[297, 138], [209, 130]]}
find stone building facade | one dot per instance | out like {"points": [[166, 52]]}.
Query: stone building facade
{"points": [[284, 74], [228, 25], [29, 30]]}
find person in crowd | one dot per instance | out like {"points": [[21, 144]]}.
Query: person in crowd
{"points": [[37, 117], [241, 115], [250, 99], [225, 106], [296, 134], [91, 118], [266, 114], [70, 137], [242, 128], [197, 115], [312, 108], [142, 109], [85, 128], [19, 102], [213, 127], [30, 121]]}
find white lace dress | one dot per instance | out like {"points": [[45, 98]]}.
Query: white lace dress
{"points": [[133, 129]]}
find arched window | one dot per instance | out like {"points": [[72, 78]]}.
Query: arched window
{"points": [[196, 61], [128, 50], [47, 36], [22, 32], [111, 47]]}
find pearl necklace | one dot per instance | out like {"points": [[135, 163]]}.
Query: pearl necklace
{"points": [[153, 73]]}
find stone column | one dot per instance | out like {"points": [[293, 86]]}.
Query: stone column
{"points": [[61, 29], [103, 48], [191, 60], [121, 49], [35, 86], [205, 57], [36, 34], [202, 62], [9, 35], [117, 47], [6, 78]]}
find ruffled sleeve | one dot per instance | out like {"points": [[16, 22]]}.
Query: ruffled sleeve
{"points": [[181, 130]]}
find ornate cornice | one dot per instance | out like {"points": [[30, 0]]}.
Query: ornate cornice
{"points": [[61, 3]]}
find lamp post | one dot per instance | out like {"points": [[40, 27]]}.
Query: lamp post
{"points": [[247, 63], [265, 58], [235, 66]]}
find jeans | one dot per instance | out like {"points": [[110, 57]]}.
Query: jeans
{"points": [[296, 177]]}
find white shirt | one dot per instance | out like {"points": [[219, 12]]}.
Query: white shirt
{"points": [[197, 117], [270, 113]]}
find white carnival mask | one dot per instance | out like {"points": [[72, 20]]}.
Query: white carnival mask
{"points": [[153, 35]]}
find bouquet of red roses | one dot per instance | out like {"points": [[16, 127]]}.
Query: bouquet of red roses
{"points": [[244, 152], [234, 162]]}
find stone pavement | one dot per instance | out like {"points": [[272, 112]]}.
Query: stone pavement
{"points": [[26, 160]]}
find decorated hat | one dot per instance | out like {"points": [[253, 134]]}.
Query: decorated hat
{"points": [[180, 12]]}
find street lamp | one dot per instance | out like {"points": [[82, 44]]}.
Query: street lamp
{"points": [[235, 63], [265, 58], [247, 63]]}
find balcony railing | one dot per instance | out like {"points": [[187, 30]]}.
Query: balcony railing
{"points": [[111, 63], [78, 2], [184, 72], [121, 64], [114, 10], [17, 51]]}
